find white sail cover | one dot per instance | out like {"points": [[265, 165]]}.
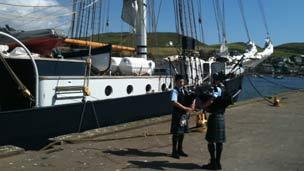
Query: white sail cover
{"points": [[268, 50], [129, 12], [224, 51], [249, 54]]}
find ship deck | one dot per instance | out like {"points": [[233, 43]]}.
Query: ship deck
{"points": [[259, 137]]}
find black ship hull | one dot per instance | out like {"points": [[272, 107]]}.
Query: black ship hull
{"points": [[28, 126], [21, 127]]}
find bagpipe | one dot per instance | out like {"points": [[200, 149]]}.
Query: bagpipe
{"points": [[189, 96], [224, 89]]}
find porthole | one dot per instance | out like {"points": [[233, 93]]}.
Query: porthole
{"points": [[108, 90], [163, 87], [170, 85], [148, 88], [129, 89]]}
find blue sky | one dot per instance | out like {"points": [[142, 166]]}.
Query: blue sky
{"points": [[285, 18]]}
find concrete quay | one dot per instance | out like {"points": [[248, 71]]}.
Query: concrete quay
{"points": [[259, 137]]}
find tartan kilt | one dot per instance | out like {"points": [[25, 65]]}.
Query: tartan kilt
{"points": [[176, 128], [216, 128]]}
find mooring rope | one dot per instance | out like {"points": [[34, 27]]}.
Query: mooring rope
{"points": [[83, 113], [281, 85], [259, 93]]}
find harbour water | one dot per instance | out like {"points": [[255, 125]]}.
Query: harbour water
{"points": [[268, 86]]}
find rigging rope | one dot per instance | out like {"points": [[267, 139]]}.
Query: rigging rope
{"points": [[104, 16], [85, 16], [193, 18], [99, 21], [31, 6], [243, 18], [72, 28], [157, 18], [219, 11], [184, 12], [177, 17], [93, 22], [181, 18], [81, 20], [107, 23], [217, 21], [190, 18], [151, 15], [200, 19], [224, 22], [88, 14], [50, 16], [264, 16], [35, 10]]}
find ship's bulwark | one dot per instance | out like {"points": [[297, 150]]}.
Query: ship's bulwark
{"points": [[23, 127], [11, 98]]}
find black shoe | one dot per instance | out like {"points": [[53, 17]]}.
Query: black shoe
{"points": [[181, 153], [210, 166], [219, 166], [175, 155]]}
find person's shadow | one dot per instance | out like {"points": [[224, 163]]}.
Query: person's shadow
{"points": [[162, 165], [135, 152], [157, 165]]}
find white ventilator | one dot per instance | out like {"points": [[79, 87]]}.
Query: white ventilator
{"points": [[115, 62], [136, 66]]}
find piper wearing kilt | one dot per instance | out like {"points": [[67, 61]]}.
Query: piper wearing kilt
{"points": [[216, 135], [180, 116]]}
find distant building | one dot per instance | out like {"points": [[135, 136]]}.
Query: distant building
{"points": [[281, 60], [297, 59], [302, 56], [265, 68]]}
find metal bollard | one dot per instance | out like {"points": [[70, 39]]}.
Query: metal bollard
{"points": [[276, 101]]}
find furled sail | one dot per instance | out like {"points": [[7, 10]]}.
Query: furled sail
{"points": [[129, 12], [268, 50], [250, 52], [224, 52]]}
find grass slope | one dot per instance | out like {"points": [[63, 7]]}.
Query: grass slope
{"points": [[158, 44]]}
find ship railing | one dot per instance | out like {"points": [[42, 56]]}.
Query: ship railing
{"points": [[34, 65]]}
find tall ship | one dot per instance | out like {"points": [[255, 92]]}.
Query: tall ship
{"points": [[86, 88]]}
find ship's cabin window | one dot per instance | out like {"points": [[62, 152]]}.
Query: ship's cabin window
{"points": [[108, 90], [148, 88], [129, 89]]}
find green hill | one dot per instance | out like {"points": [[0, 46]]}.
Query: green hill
{"points": [[158, 44], [289, 49], [159, 39], [292, 47]]}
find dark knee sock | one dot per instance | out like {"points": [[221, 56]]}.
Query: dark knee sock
{"points": [[180, 142], [174, 143], [211, 149], [219, 149]]}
